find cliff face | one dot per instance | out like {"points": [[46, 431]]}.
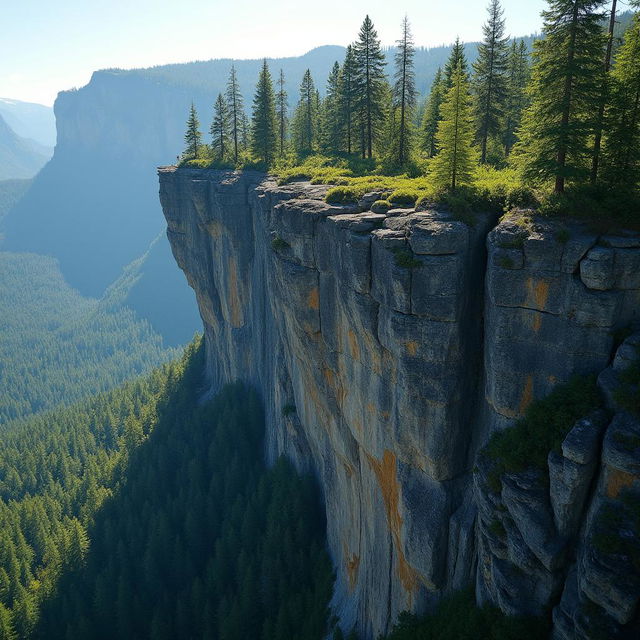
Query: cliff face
{"points": [[384, 366]]}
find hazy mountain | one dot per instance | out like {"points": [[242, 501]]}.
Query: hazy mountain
{"points": [[30, 120], [19, 157]]}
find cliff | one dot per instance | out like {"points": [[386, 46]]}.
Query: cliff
{"points": [[387, 348]]}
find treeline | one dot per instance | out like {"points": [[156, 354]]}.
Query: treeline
{"points": [[143, 513], [568, 116]]}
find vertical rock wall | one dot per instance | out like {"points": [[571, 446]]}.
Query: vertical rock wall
{"points": [[364, 333]]}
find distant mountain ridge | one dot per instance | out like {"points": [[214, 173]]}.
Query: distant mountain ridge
{"points": [[20, 157], [30, 120]]}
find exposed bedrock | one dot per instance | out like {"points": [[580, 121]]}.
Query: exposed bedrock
{"points": [[384, 365]]}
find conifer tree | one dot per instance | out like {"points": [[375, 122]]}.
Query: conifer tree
{"points": [[282, 107], [622, 148], [236, 111], [453, 166], [305, 118], [193, 136], [332, 121], [567, 74], [263, 120], [489, 82], [220, 130], [431, 115], [604, 95], [370, 85], [348, 98], [457, 58], [516, 98], [404, 92]]}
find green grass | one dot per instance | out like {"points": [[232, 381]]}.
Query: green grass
{"points": [[543, 428]]}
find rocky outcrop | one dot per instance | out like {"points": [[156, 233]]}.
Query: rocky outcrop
{"points": [[387, 350]]}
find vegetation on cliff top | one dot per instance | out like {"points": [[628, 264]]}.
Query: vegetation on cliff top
{"points": [[565, 130]]}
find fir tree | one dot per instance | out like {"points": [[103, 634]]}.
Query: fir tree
{"points": [[567, 74], [236, 112], [193, 137], [604, 94], [453, 166], [404, 92], [332, 121], [431, 115], [622, 148], [220, 130], [305, 117], [489, 83], [370, 85], [516, 99], [263, 120], [348, 98], [282, 107], [457, 58]]}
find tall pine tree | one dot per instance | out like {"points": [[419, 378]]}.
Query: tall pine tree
{"points": [[622, 148], [220, 130], [193, 136], [236, 111], [516, 99], [282, 107], [567, 75], [453, 166], [305, 119], [431, 115], [489, 78], [348, 99], [331, 113], [404, 93], [457, 58], [370, 85], [263, 119]]}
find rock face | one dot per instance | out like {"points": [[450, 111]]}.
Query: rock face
{"points": [[387, 349]]}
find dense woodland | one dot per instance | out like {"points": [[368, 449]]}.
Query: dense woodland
{"points": [[56, 346], [143, 514], [563, 122]]}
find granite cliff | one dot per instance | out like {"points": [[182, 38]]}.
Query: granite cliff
{"points": [[387, 348]]}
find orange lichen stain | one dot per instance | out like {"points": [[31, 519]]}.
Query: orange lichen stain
{"points": [[234, 297], [371, 408], [385, 415], [353, 564], [354, 348], [527, 395], [537, 293], [313, 299], [411, 347], [537, 322], [552, 379], [618, 480], [215, 229], [385, 471], [358, 426], [333, 382], [373, 354]]}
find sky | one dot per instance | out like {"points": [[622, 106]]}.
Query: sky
{"points": [[51, 45]]}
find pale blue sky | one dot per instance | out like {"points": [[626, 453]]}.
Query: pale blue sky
{"points": [[50, 45]]}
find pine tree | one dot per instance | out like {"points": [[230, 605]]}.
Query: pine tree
{"points": [[431, 115], [457, 58], [282, 107], [489, 82], [516, 100], [263, 120], [404, 92], [193, 137], [567, 74], [622, 148], [453, 166], [220, 130], [236, 111], [331, 113], [604, 95], [305, 120], [369, 85], [348, 98]]}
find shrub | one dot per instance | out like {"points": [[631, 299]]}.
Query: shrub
{"points": [[278, 244], [404, 197], [343, 195], [381, 206], [288, 409], [505, 262], [406, 259]]}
